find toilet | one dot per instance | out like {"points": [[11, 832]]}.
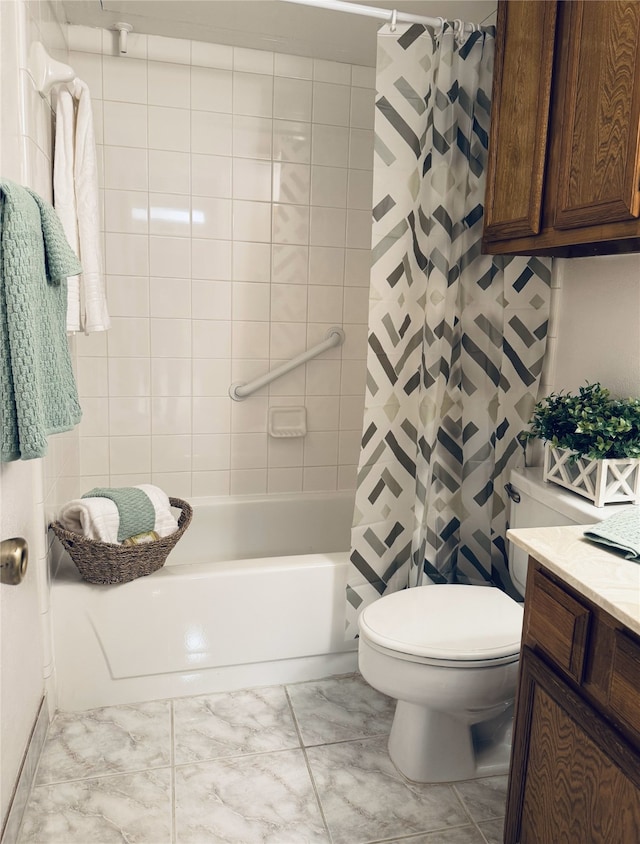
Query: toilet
{"points": [[449, 653]]}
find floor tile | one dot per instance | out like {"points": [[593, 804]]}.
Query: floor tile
{"points": [[484, 798], [458, 835], [339, 709], [262, 799], [241, 777], [106, 741], [129, 807], [493, 830], [230, 724], [364, 798]]}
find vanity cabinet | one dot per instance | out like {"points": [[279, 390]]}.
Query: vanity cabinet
{"points": [[575, 764], [563, 175]]}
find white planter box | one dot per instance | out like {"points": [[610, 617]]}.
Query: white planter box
{"points": [[601, 481]]}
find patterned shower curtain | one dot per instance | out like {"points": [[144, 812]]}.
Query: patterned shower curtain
{"points": [[456, 338]]}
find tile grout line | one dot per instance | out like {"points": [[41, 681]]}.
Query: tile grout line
{"points": [[306, 761], [415, 836], [349, 741], [234, 757], [487, 820], [464, 806], [461, 801], [482, 835], [105, 775]]}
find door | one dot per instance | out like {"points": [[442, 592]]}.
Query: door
{"points": [[21, 653], [21, 497]]}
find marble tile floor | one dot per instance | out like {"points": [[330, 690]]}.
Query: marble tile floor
{"points": [[299, 764]]}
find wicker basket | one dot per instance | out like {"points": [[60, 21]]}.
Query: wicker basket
{"points": [[104, 562]]}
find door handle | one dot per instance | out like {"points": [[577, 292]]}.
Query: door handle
{"points": [[14, 557]]}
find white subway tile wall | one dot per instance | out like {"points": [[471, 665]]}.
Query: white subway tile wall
{"points": [[236, 204]]}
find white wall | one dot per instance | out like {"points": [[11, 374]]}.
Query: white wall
{"points": [[237, 206], [27, 489], [598, 328]]}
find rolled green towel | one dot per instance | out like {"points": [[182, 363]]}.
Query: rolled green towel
{"points": [[137, 513]]}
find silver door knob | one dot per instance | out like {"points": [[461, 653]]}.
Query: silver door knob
{"points": [[14, 557]]}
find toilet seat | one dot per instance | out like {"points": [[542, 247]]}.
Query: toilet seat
{"points": [[447, 623]]}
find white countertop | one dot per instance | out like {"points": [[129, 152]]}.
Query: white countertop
{"points": [[606, 578]]}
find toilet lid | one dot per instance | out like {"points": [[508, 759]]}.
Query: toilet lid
{"points": [[447, 621]]}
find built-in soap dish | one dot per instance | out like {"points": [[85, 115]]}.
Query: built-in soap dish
{"points": [[287, 421]]}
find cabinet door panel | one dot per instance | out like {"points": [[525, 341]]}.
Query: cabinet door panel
{"points": [[520, 118], [599, 165], [559, 624], [625, 680], [573, 778]]}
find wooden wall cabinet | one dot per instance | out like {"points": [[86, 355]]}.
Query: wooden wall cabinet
{"points": [[575, 764], [563, 175]]}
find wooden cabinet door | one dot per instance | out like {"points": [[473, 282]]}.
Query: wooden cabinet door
{"points": [[599, 103], [519, 118], [573, 778]]}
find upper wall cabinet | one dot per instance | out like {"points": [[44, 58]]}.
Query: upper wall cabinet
{"points": [[564, 152]]}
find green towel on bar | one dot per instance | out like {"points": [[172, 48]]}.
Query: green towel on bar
{"points": [[38, 394], [621, 532], [135, 509]]}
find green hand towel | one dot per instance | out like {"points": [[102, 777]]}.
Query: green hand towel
{"points": [[38, 394], [135, 509], [621, 532]]}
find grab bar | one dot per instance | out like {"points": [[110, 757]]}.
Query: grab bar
{"points": [[239, 391]]}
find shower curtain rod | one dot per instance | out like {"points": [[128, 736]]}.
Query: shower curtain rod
{"points": [[369, 11]]}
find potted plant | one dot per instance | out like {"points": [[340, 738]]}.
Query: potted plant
{"points": [[592, 443]]}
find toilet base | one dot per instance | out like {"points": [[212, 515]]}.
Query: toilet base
{"points": [[428, 746]]}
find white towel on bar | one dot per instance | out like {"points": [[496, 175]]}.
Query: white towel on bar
{"points": [[64, 195], [75, 181]]}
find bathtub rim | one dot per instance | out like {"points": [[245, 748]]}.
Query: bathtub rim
{"points": [[269, 497]]}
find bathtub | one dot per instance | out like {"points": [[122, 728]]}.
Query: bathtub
{"points": [[253, 594]]}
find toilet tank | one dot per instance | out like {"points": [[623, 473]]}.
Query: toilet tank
{"points": [[543, 504]]}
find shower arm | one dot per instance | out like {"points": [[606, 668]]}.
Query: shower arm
{"points": [[239, 391]]}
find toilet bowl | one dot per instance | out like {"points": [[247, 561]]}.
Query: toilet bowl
{"points": [[449, 653]]}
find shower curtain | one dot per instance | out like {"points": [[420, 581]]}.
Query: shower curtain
{"points": [[456, 338]]}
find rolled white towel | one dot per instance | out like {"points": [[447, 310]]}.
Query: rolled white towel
{"points": [[95, 518], [166, 522], [98, 518]]}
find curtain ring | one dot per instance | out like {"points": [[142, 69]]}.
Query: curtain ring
{"points": [[392, 23], [458, 30]]}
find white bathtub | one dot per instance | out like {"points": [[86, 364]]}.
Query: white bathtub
{"points": [[253, 594]]}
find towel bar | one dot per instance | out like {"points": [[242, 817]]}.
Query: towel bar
{"points": [[45, 71]]}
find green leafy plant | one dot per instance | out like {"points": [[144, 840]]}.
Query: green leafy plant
{"points": [[591, 424]]}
